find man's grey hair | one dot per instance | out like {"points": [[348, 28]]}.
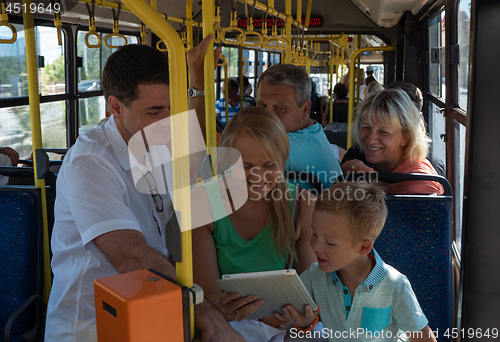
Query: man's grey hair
{"points": [[288, 74]]}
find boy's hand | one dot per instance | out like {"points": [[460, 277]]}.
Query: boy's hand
{"points": [[291, 315], [237, 308]]}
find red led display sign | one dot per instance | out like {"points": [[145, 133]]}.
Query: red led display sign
{"points": [[257, 23]]}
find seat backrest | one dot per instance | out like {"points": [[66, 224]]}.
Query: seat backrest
{"points": [[21, 252], [416, 240]]}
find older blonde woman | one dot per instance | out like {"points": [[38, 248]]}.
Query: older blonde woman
{"points": [[388, 128]]}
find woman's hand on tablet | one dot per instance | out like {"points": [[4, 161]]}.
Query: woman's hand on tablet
{"points": [[236, 308], [291, 315]]}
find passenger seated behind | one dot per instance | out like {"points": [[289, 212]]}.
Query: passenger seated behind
{"points": [[234, 104], [285, 90], [247, 91], [388, 127], [355, 290], [271, 231], [340, 105], [8, 157]]}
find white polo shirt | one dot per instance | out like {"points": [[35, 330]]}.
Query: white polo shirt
{"points": [[383, 307], [95, 195]]}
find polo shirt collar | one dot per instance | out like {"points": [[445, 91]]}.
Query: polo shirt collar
{"points": [[117, 143], [375, 276]]}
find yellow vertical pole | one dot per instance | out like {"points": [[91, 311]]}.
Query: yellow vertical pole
{"points": [[208, 12], [36, 133], [330, 106], [357, 62], [288, 31], [226, 90], [240, 74], [180, 137]]}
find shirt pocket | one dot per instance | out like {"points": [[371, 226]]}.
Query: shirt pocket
{"points": [[375, 319]]}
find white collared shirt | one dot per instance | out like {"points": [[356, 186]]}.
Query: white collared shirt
{"points": [[95, 195]]}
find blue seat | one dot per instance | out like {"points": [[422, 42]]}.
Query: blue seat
{"points": [[416, 240], [21, 269]]}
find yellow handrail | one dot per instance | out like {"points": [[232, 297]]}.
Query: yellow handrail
{"points": [[92, 28], [4, 21], [36, 134], [116, 30], [233, 26], [351, 85]]}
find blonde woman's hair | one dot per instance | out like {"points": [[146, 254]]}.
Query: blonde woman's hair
{"points": [[361, 203], [272, 138], [395, 108]]}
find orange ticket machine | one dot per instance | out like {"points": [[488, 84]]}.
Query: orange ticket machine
{"points": [[141, 306]]}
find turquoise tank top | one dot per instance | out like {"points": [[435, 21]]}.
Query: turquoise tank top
{"points": [[235, 254]]}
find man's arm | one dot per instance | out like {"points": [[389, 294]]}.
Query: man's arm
{"points": [[128, 251], [197, 77]]}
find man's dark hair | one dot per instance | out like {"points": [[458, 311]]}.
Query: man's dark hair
{"points": [[413, 92], [341, 91], [130, 66], [233, 85]]}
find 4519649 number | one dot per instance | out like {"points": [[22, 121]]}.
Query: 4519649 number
{"points": [[32, 8], [471, 333]]}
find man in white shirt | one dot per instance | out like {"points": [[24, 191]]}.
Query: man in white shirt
{"points": [[103, 225]]}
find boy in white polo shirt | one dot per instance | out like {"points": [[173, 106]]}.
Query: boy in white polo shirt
{"points": [[362, 298]]}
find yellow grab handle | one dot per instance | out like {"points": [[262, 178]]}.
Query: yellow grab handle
{"points": [[267, 40], [116, 30], [217, 34], [256, 44], [93, 33], [115, 35], [13, 30], [233, 26], [159, 48], [224, 61], [240, 38]]}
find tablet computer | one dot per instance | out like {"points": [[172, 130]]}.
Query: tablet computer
{"points": [[277, 288]]}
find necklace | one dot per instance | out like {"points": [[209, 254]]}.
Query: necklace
{"points": [[244, 223]]}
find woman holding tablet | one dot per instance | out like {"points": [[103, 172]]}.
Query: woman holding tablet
{"points": [[271, 231]]}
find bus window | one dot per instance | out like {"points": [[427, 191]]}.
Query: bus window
{"points": [[463, 21], [52, 76], [15, 127], [437, 127], [437, 55], [13, 77]]}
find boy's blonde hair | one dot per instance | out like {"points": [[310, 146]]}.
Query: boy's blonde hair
{"points": [[361, 203]]}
